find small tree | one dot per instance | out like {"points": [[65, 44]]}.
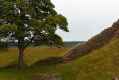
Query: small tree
{"points": [[30, 21]]}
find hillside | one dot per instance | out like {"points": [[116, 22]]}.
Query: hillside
{"points": [[94, 43], [101, 64]]}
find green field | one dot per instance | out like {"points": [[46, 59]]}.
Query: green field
{"points": [[31, 55]]}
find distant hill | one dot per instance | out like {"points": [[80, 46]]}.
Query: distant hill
{"points": [[72, 43], [67, 44]]}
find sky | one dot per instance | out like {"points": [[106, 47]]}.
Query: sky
{"points": [[86, 18]]}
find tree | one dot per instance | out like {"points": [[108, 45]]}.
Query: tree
{"points": [[30, 21]]}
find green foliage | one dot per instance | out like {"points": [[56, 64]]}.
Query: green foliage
{"points": [[30, 21], [26, 19], [3, 46], [8, 27]]}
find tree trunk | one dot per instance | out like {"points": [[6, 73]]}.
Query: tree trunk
{"points": [[21, 58]]}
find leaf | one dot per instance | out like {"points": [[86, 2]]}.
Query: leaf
{"points": [[32, 18], [60, 21], [8, 28]]}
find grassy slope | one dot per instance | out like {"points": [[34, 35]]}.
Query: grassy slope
{"points": [[101, 64]]}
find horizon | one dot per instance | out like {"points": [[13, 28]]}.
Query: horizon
{"points": [[86, 18]]}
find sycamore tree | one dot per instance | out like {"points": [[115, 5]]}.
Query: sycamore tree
{"points": [[27, 22]]}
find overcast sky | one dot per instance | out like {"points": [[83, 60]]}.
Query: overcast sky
{"points": [[87, 17]]}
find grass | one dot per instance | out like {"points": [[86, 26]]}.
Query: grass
{"points": [[101, 64], [31, 55]]}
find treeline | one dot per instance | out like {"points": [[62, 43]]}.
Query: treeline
{"points": [[67, 44]]}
